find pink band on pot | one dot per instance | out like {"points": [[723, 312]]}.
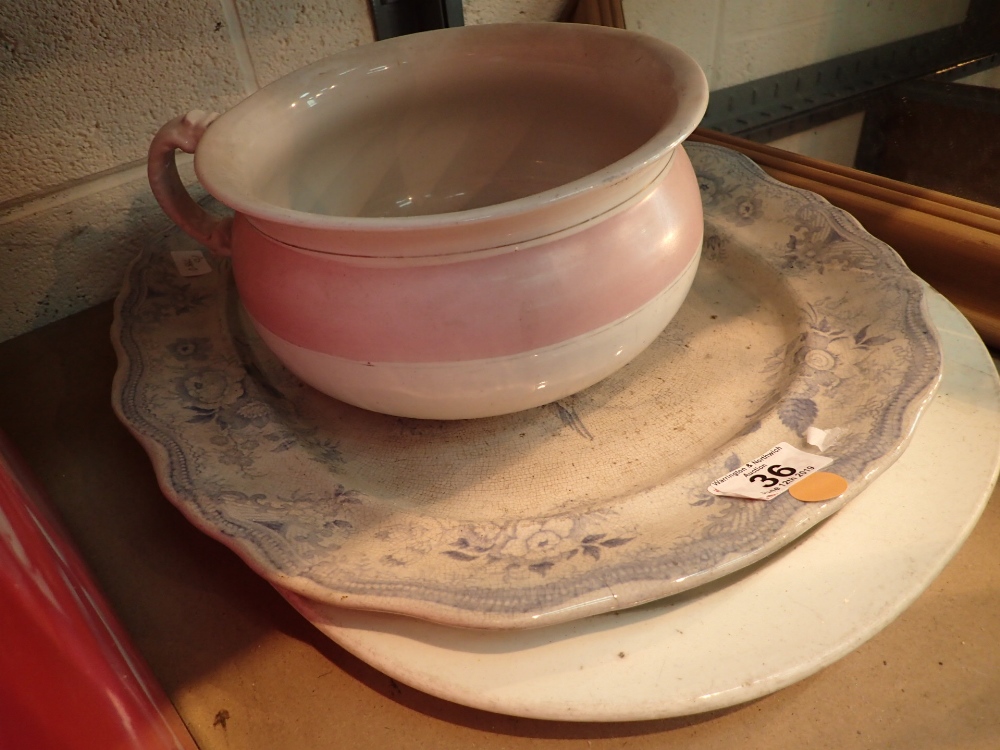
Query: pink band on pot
{"points": [[491, 306]]}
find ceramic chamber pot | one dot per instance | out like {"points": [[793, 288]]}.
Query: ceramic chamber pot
{"points": [[459, 223]]}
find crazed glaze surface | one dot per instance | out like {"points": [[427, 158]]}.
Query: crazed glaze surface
{"points": [[745, 635], [797, 318]]}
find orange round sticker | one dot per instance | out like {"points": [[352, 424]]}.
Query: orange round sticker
{"points": [[818, 487]]}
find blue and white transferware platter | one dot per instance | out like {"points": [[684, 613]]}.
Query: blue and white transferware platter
{"points": [[797, 318]]}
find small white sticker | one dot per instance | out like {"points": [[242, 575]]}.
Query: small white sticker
{"points": [[769, 475], [822, 439], [190, 262]]}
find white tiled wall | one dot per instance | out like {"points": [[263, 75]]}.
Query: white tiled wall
{"points": [[989, 78], [736, 41], [835, 141], [84, 84], [740, 40]]}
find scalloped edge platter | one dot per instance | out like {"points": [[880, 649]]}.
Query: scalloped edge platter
{"points": [[797, 318]]}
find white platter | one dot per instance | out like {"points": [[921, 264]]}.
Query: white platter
{"points": [[743, 636]]}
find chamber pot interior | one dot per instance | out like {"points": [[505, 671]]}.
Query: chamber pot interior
{"points": [[400, 142]]}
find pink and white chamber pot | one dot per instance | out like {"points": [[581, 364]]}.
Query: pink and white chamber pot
{"points": [[458, 223]]}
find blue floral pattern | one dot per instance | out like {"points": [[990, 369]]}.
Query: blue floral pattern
{"points": [[567, 513]]}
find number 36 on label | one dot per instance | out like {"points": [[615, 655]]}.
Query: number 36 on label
{"points": [[770, 474]]}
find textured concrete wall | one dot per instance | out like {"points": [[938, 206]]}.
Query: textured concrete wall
{"points": [[501, 11], [85, 85]]}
